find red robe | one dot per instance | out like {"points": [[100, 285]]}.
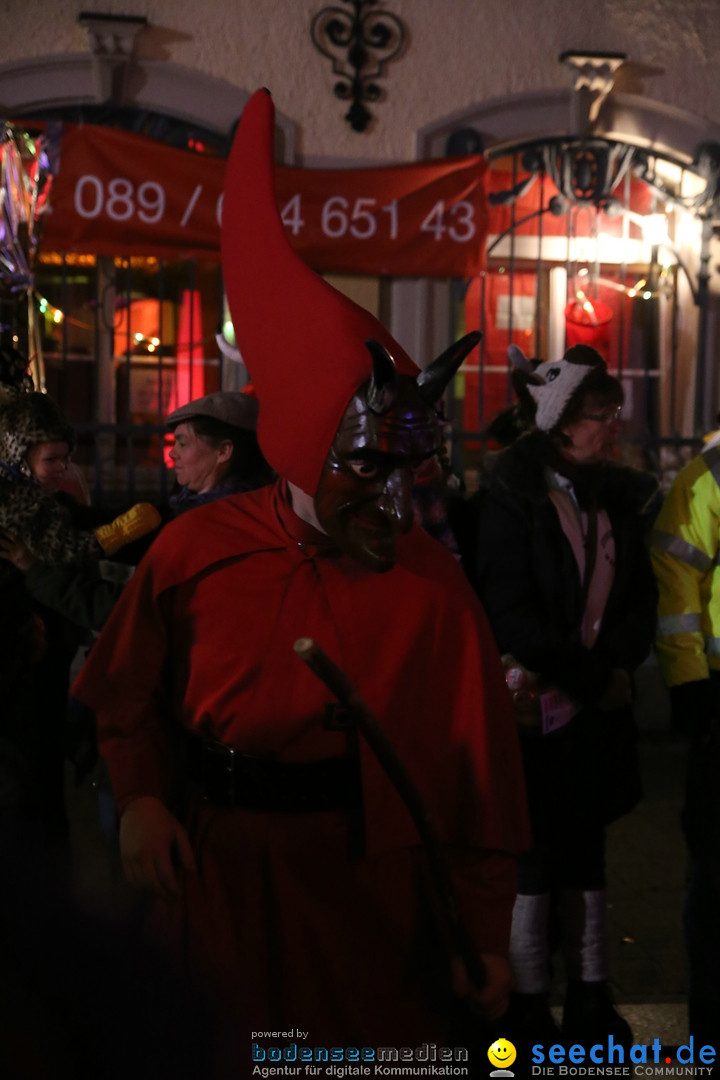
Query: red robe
{"points": [[298, 932]]}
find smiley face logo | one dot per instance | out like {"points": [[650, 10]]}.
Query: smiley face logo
{"points": [[502, 1053]]}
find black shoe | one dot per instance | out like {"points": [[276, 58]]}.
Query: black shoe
{"points": [[704, 1020], [529, 1021], [589, 1015], [704, 1023]]}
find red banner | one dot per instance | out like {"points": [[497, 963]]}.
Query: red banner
{"points": [[426, 220], [117, 193]]}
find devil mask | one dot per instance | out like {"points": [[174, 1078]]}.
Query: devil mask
{"points": [[325, 398], [388, 432]]}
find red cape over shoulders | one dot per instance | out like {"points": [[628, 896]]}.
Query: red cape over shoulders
{"points": [[222, 595]]}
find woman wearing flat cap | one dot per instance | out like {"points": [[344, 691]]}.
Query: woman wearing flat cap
{"points": [[215, 454], [216, 451]]}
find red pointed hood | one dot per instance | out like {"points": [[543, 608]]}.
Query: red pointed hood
{"points": [[303, 342]]}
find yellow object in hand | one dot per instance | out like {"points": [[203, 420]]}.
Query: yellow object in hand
{"points": [[139, 520]]}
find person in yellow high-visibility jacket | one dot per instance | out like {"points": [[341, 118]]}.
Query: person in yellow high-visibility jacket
{"points": [[685, 550], [685, 546]]}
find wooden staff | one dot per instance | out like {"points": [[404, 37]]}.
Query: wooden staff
{"points": [[447, 909]]}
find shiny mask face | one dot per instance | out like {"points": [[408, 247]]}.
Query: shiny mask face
{"points": [[364, 498]]}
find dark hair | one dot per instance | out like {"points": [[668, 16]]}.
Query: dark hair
{"points": [[507, 425], [247, 460]]}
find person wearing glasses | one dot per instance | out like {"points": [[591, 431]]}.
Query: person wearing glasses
{"points": [[562, 569]]}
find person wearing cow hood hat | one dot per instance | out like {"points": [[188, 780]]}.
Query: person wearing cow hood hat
{"points": [[562, 568], [296, 880]]}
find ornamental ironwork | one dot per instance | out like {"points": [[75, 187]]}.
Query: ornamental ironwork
{"points": [[359, 42], [587, 171]]}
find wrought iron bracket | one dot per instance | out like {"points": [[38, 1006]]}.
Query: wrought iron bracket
{"points": [[360, 43]]}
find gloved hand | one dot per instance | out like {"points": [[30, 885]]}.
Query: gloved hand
{"points": [[139, 520]]}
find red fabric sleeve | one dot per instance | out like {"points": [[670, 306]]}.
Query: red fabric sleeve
{"points": [[486, 886]]}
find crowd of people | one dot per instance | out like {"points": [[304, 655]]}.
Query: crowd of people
{"points": [[386, 846]]}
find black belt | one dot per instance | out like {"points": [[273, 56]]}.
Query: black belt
{"points": [[230, 778]]}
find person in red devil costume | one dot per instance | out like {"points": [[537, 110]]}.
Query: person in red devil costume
{"points": [[281, 860]]}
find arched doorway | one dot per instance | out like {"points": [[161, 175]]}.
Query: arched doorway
{"points": [[601, 223]]}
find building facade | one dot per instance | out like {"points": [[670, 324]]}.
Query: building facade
{"points": [[598, 123]]}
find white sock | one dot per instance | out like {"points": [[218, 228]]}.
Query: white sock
{"points": [[584, 916], [529, 951]]}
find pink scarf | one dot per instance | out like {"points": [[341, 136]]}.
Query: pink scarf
{"points": [[574, 522]]}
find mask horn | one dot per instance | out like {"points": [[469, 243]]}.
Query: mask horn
{"points": [[435, 378], [382, 391]]}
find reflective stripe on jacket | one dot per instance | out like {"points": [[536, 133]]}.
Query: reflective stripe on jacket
{"points": [[684, 550]]}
